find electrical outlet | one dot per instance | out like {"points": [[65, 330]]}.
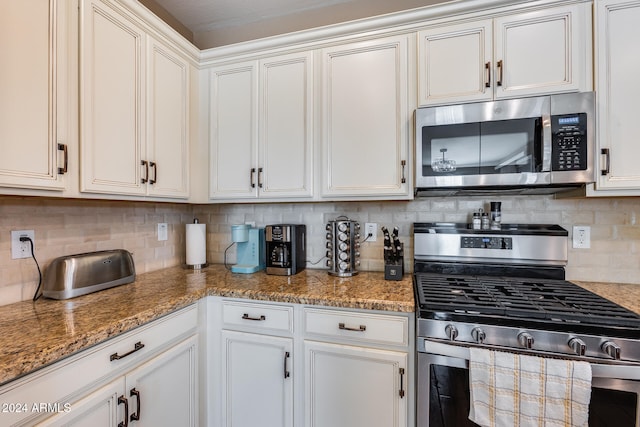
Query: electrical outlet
{"points": [[21, 249], [163, 231], [581, 237], [371, 228]]}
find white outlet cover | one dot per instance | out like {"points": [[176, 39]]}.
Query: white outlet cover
{"points": [[21, 249], [581, 237], [371, 227]]}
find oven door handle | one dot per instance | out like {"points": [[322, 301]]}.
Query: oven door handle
{"points": [[622, 371]]}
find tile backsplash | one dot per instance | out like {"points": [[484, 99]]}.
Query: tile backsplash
{"points": [[68, 226]]}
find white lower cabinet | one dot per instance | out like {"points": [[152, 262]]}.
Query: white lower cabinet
{"points": [[146, 377], [161, 392], [280, 365], [256, 379], [354, 386]]}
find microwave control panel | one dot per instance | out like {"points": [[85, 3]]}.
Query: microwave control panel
{"points": [[569, 142]]}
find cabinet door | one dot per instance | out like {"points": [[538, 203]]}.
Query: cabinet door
{"points": [[102, 408], [365, 120], [354, 386], [544, 51], [286, 126], [257, 387], [111, 101], [33, 104], [455, 63], [168, 136], [618, 89], [164, 391], [233, 132]]}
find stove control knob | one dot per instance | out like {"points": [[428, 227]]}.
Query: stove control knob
{"points": [[525, 340], [612, 349], [451, 331], [578, 346], [478, 335]]}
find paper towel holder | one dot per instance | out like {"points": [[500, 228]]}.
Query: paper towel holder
{"points": [[195, 266]]}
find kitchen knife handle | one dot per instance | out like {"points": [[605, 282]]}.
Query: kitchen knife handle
{"points": [[125, 401], [136, 347], [146, 174], [487, 67], [154, 165], [607, 168], [251, 177], [500, 66], [63, 148], [136, 415]]}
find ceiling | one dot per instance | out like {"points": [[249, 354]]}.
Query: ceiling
{"points": [[206, 15], [212, 23]]}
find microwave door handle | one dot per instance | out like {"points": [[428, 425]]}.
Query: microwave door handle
{"points": [[547, 142]]}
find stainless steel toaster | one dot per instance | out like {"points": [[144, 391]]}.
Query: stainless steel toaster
{"points": [[74, 275]]}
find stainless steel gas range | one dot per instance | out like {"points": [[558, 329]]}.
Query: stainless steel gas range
{"points": [[506, 290]]}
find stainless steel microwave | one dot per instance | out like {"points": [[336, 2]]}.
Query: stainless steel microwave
{"points": [[541, 144]]}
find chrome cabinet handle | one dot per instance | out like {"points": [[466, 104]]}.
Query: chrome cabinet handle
{"points": [[259, 177], [251, 177], [500, 66], [246, 316], [124, 401], [136, 347], [342, 326], [487, 67], [401, 383], [607, 169], [287, 374], [154, 165], [146, 174], [136, 415], [63, 148], [403, 163]]}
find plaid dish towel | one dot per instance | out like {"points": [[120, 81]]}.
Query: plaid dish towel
{"points": [[514, 390]]}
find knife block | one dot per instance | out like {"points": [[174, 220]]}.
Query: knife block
{"points": [[394, 266]]}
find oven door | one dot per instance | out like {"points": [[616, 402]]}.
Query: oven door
{"points": [[443, 390]]}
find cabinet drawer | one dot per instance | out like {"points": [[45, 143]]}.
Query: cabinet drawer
{"points": [[363, 327], [64, 381], [257, 315]]}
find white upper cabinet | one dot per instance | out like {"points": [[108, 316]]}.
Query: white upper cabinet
{"points": [[167, 122], [366, 120], [133, 109], [618, 89], [261, 129], [34, 100], [525, 54]]}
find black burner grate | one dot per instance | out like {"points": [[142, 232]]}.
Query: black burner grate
{"points": [[518, 298]]}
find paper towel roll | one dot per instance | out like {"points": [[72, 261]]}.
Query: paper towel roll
{"points": [[196, 244]]}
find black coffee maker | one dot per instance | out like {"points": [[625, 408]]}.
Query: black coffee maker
{"points": [[286, 248]]}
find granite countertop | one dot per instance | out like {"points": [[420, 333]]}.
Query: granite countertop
{"points": [[33, 335]]}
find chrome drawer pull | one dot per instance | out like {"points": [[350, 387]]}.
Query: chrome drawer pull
{"points": [[362, 328], [259, 319], [137, 346]]}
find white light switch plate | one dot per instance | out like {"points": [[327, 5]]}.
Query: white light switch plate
{"points": [[163, 231]]}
